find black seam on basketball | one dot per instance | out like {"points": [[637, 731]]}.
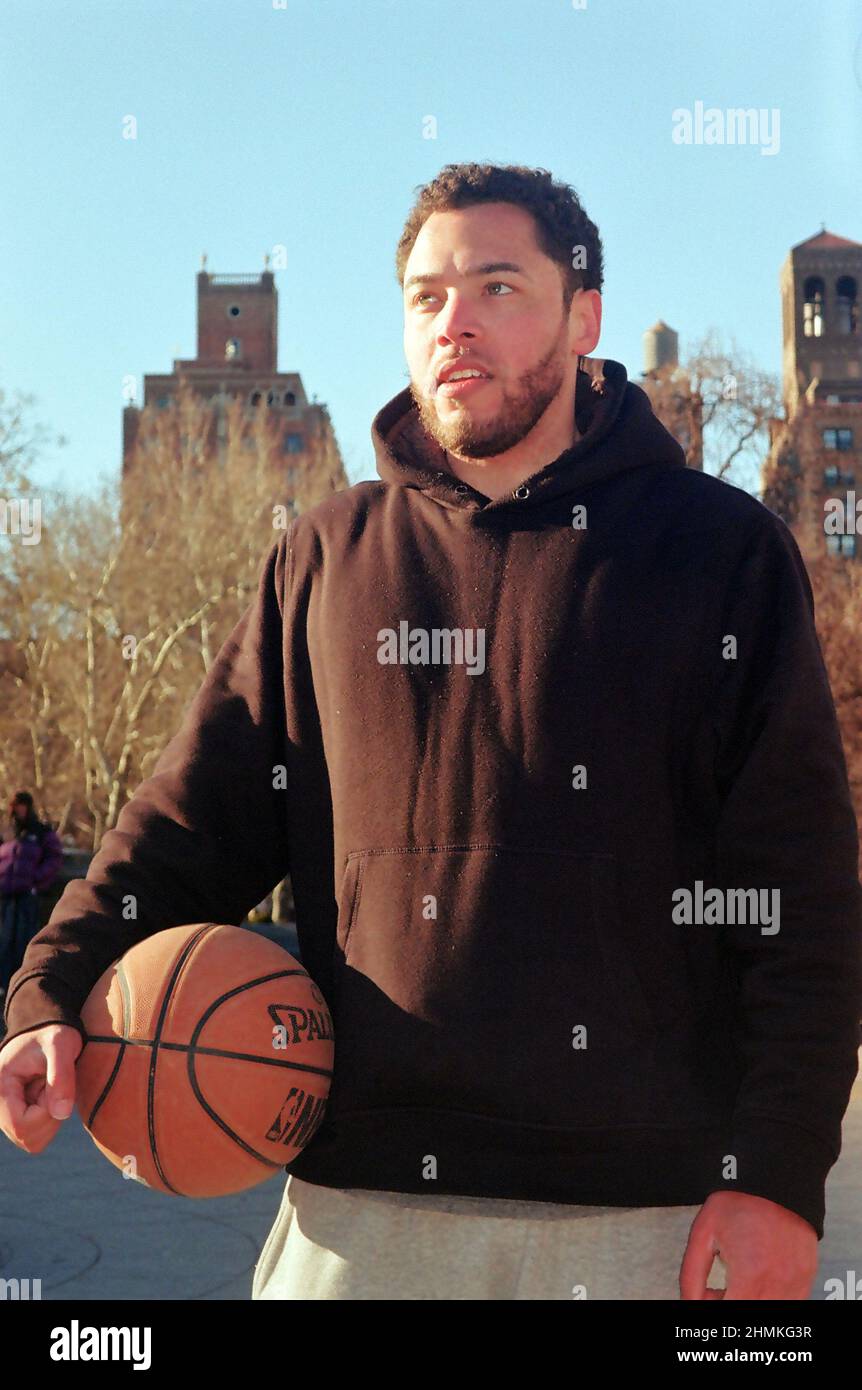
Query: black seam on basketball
{"points": [[151, 1080], [240, 989], [220, 1052], [126, 1015], [107, 1086], [221, 1123]]}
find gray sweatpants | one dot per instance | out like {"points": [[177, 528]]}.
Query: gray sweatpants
{"points": [[335, 1243]]}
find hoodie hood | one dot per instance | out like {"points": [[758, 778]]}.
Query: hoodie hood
{"points": [[615, 431]]}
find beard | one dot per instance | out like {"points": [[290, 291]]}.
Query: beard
{"points": [[519, 412]]}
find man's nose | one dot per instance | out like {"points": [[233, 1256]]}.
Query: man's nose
{"points": [[457, 320]]}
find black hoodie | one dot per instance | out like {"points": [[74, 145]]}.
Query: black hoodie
{"points": [[532, 747]]}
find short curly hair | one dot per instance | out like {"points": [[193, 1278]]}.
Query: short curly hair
{"points": [[562, 225]]}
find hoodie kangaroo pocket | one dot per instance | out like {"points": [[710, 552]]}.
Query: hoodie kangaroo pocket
{"points": [[489, 979]]}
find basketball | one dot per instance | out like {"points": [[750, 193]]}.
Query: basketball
{"points": [[208, 1060]]}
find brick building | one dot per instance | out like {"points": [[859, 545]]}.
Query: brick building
{"points": [[813, 468], [237, 357]]}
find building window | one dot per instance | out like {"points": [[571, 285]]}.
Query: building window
{"points": [[846, 307], [289, 398], [232, 349], [292, 443], [832, 477], [233, 311], [270, 398], [841, 545], [254, 398], [838, 439], [812, 309], [163, 402]]}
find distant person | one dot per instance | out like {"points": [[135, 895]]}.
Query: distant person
{"points": [[30, 858]]}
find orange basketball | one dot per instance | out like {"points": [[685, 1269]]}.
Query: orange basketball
{"points": [[208, 1060]]}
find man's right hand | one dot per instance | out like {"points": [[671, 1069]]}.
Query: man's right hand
{"points": [[37, 1084]]}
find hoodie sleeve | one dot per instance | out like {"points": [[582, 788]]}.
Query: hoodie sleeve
{"points": [[202, 840], [786, 823]]}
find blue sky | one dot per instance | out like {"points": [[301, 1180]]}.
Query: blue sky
{"points": [[301, 124]]}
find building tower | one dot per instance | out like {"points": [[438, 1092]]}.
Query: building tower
{"points": [[667, 384], [237, 356], [815, 449]]}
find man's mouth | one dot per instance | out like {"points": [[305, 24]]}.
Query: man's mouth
{"points": [[457, 379], [457, 368], [463, 384]]}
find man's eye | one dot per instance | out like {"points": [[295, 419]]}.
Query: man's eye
{"points": [[500, 284]]}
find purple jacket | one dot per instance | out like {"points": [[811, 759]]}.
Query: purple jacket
{"points": [[26, 864]]}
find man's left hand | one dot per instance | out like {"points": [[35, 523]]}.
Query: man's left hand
{"points": [[769, 1251]]}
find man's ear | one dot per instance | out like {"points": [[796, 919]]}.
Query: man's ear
{"points": [[585, 321], [591, 320]]}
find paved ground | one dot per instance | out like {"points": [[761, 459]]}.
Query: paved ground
{"points": [[68, 1216]]}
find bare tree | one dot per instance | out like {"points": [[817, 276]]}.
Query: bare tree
{"points": [[116, 615], [720, 401]]}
